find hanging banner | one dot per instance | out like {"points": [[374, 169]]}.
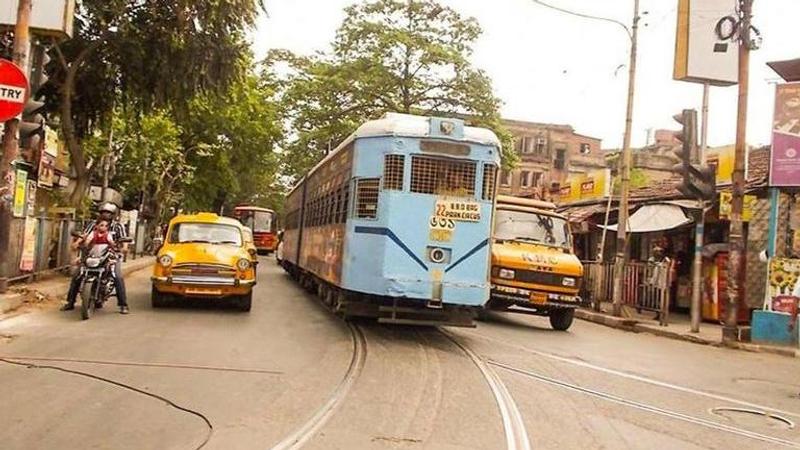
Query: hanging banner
{"points": [[21, 185], [725, 205], [46, 171], [30, 199], [27, 259], [784, 168]]}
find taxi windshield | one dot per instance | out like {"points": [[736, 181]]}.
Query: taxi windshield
{"points": [[531, 227], [208, 233]]}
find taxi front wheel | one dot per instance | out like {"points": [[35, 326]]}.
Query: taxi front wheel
{"points": [[245, 302], [157, 299], [561, 319]]}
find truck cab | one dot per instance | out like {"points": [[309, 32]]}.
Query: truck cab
{"points": [[534, 269]]}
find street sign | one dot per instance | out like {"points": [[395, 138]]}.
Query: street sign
{"points": [[13, 90]]}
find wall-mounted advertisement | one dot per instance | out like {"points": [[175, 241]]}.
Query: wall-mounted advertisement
{"points": [[784, 167]]}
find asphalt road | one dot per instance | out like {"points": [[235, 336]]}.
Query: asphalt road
{"points": [[290, 374]]}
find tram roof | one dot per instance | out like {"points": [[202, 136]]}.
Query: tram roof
{"points": [[407, 125]]}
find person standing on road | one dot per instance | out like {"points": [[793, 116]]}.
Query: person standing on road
{"points": [[108, 212]]}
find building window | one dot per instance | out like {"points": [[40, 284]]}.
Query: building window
{"points": [[541, 145], [585, 148], [561, 159], [393, 168], [525, 179], [505, 178], [536, 181]]}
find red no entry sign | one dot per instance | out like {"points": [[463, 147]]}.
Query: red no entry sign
{"points": [[13, 90]]}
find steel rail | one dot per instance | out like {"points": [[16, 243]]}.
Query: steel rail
{"points": [[513, 425], [649, 408], [310, 428]]}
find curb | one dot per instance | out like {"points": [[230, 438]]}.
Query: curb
{"points": [[635, 326], [59, 287]]}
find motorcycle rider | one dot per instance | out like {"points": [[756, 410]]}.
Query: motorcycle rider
{"points": [[108, 213]]}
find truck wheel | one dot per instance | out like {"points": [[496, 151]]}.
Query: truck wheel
{"points": [[561, 319], [245, 302], [157, 299]]}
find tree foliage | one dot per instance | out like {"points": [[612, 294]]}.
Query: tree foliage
{"points": [[388, 55], [145, 55]]}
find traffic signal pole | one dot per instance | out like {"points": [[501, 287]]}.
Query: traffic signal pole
{"points": [[622, 222], [10, 142], [697, 263], [730, 331]]}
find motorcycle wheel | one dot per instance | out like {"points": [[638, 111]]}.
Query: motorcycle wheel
{"points": [[87, 301]]}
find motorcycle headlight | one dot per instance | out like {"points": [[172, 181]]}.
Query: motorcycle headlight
{"points": [[507, 274], [165, 260], [243, 264], [568, 281], [92, 262]]}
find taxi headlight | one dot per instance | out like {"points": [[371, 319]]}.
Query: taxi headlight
{"points": [[243, 264], [506, 273], [165, 260], [568, 281]]}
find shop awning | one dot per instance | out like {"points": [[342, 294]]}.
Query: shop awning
{"points": [[658, 217]]}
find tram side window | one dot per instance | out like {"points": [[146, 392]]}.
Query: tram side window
{"points": [[367, 198], [489, 177], [441, 176], [393, 168]]}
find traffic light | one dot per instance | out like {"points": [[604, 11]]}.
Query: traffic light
{"points": [[699, 180], [31, 128]]}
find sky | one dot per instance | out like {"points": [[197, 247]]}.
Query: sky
{"points": [[550, 67]]}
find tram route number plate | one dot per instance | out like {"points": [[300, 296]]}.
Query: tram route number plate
{"points": [[441, 229], [461, 210]]}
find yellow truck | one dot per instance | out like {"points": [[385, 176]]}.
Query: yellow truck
{"points": [[534, 270]]}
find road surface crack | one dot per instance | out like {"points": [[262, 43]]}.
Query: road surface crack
{"points": [[123, 386]]}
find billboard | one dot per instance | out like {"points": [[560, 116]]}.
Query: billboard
{"points": [[722, 160], [51, 17], [585, 186], [784, 161], [701, 53]]}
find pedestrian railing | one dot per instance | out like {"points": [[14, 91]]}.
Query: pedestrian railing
{"points": [[645, 285]]}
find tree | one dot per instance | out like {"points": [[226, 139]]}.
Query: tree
{"points": [[146, 55], [388, 55], [153, 162]]}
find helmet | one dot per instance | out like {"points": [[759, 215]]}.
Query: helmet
{"points": [[108, 207]]}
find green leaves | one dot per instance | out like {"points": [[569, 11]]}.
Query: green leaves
{"points": [[388, 55]]}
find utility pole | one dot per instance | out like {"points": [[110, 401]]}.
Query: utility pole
{"points": [[622, 222], [108, 160], [22, 46], [736, 262], [697, 263]]}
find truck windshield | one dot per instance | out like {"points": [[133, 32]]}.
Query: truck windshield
{"points": [[531, 227]]}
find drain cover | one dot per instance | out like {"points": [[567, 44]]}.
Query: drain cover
{"points": [[753, 417]]}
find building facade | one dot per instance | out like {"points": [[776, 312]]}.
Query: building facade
{"points": [[548, 153]]}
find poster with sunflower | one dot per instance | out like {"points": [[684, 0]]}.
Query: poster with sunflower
{"points": [[784, 274]]}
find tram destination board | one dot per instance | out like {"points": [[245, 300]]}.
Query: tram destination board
{"points": [[461, 210]]}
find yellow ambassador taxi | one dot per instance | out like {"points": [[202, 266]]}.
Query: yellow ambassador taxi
{"points": [[205, 255]]}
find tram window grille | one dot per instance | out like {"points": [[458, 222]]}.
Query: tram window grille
{"points": [[393, 168], [489, 177], [442, 176], [345, 203], [330, 210], [367, 198]]}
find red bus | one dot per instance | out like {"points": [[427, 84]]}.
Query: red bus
{"points": [[262, 222]]}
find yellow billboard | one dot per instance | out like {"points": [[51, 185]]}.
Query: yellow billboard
{"points": [[591, 185], [721, 159], [725, 199]]}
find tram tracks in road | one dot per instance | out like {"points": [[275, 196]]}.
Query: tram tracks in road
{"points": [[311, 427], [718, 426], [513, 424]]}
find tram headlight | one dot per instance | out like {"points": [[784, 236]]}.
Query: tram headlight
{"points": [[439, 255], [508, 274]]}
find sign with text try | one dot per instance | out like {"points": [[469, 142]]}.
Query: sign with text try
{"points": [[13, 90]]}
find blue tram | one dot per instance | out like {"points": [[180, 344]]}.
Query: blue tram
{"points": [[395, 222]]}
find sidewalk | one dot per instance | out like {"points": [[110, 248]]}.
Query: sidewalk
{"points": [[679, 328], [54, 288]]}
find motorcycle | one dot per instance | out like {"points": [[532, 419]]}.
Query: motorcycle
{"points": [[97, 277]]}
